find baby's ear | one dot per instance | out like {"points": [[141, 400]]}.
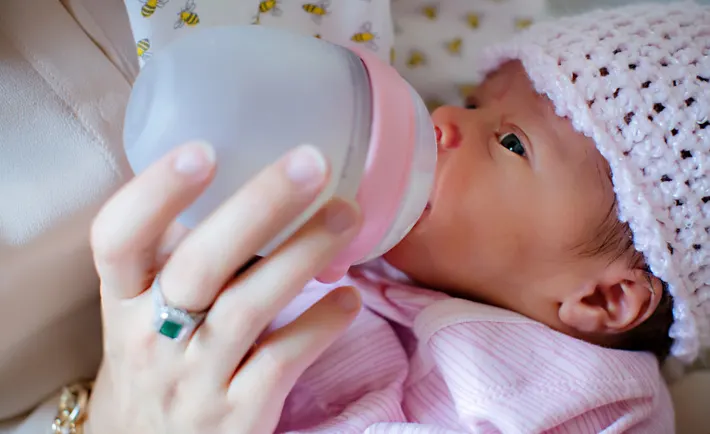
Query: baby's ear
{"points": [[615, 301]]}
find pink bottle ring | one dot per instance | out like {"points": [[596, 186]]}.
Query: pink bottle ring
{"points": [[383, 185]]}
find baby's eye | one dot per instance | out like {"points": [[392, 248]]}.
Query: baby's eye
{"points": [[512, 143], [470, 104]]}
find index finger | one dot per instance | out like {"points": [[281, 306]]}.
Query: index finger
{"points": [[127, 230]]}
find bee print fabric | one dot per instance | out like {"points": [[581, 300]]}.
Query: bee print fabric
{"points": [[433, 44], [437, 43], [366, 23]]}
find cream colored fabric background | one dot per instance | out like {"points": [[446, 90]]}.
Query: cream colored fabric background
{"points": [[60, 156]]}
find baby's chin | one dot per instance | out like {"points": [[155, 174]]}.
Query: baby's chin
{"points": [[417, 254], [394, 258], [406, 256]]}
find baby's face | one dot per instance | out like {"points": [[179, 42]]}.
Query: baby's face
{"points": [[517, 190]]}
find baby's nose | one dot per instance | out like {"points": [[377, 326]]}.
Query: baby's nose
{"points": [[446, 124], [448, 136]]}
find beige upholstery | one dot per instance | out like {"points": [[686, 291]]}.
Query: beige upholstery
{"points": [[60, 156]]}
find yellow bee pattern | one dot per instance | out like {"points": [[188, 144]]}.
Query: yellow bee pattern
{"points": [[460, 27], [454, 46], [473, 20], [430, 11], [416, 59], [149, 7], [317, 10], [270, 7], [523, 23], [365, 36], [187, 16], [143, 48]]}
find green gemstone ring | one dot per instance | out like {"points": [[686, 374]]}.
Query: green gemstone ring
{"points": [[172, 322]]}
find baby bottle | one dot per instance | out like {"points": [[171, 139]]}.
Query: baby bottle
{"points": [[254, 93]]}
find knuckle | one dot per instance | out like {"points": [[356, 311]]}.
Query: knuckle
{"points": [[276, 366], [187, 292], [249, 314], [106, 244], [140, 355], [213, 418], [102, 244], [246, 319]]}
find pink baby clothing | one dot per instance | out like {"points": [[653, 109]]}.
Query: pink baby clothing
{"points": [[419, 361]]}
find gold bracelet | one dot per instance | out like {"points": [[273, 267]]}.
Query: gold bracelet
{"points": [[72, 409]]}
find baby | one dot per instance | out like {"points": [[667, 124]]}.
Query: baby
{"points": [[563, 254], [571, 190]]}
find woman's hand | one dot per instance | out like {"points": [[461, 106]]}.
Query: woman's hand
{"points": [[215, 380]]}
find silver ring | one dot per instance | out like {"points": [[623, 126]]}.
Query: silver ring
{"points": [[172, 322]]}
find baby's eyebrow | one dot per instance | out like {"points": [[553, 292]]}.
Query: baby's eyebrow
{"points": [[551, 124], [493, 87], [544, 107]]}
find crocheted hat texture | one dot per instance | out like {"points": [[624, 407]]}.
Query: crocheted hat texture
{"points": [[637, 81]]}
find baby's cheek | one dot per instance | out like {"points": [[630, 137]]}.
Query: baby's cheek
{"points": [[485, 243]]}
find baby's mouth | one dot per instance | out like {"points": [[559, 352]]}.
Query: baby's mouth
{"points": [[430, 203], [427, 208], [425, 213]]}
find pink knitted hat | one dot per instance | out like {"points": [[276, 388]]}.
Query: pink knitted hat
{"points": [[637, 81]]}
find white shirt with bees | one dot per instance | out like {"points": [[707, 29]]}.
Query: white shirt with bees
{"points": [[433, 43]]}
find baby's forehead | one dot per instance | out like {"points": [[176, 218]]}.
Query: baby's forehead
{"points": [[511, 80], [513, 89], [510, 87]]}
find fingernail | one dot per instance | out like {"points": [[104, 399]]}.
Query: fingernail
{"points": [[306, 166], [195, 159], [340, 216], [347, 300]]}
